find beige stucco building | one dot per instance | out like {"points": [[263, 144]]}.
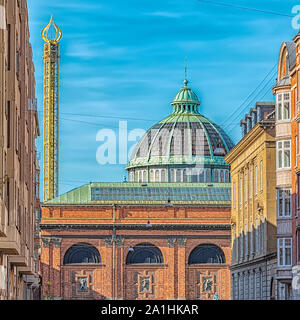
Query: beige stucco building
{"points": [[18, 157], [253, 207]]}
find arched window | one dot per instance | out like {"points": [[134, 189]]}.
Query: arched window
{"points": [[194, 175], [201, 175], [227, 176], [136, 178], [172, 171], [145, 253], [131, 176], [163, 175], [151, 175], [156, 175], [144, 176], [185, 175], [208, 176], [178, 175], [207, 254], [222, 176], [216, 175], [82, 253]]}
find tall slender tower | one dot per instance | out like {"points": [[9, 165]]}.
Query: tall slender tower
{"points": [[51, 34]]}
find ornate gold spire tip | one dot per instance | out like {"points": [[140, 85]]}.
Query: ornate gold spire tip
{"points": [[48, 36]]}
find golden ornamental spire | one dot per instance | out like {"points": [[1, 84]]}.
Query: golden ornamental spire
{"points": [[51, 34], [45, 32]]}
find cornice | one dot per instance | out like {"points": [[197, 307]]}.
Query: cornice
{"points": [[138, 226]]}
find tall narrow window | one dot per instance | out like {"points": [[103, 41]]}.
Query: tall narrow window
{"points": [[178, 175], [255, 180], [262, 236], [286, 106], [233, 194], [7, 202], [8, 124], [283, 106], [261, 175], [284, 203], [222, 176], [241, 191], [245, 188], [163, 175], [295, 101], [207, 175], [246, 240], [284, 252], [279, 107], [256, 236], [8, 47], [185, 175], [283, 154], [250, 183], [241, 244], [251, 238], [156, 175]]}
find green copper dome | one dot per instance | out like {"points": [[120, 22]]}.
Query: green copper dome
{"points": [[184, 142]]}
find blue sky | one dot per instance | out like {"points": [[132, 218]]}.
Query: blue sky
{"points": [[124, 60]]}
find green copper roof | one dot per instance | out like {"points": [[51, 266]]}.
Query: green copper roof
{"points": [[201, 194], [186, 95]]}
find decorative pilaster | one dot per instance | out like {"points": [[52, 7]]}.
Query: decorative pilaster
{"points": [[56, 271], [181, 268], [45, 266], [172, 265]]}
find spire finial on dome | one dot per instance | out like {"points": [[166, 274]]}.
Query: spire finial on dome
{"points": [[185, 73]]}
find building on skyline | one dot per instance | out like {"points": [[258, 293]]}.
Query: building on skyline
{"points": [[147, 240], [282, 92], [287, 95], [19, 126], [253, 207]]}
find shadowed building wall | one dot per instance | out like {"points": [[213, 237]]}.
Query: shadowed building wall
{"points": [[253, 207]]}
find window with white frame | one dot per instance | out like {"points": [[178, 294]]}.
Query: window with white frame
{"points": [[283, 154], [284, 203], [283, 106], [284, 246]]}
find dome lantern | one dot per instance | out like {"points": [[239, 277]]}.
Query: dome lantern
{"points": [[186, 100]]}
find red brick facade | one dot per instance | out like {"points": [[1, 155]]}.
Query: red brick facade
{"points": [[176, 231]]}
